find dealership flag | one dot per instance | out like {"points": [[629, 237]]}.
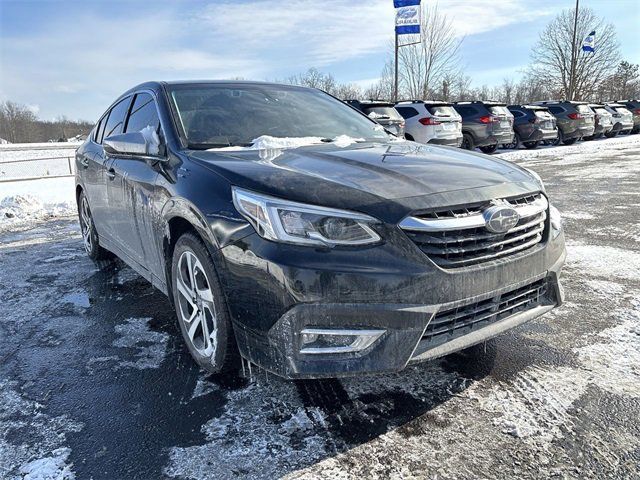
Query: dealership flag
{"points": [[589, 42], [407, 16]]}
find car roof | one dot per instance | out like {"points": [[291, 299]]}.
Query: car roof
{"points": [[529, 107], [596, 105], [430, 103], [614, 104], [158, 85], [554, 102], [491, 103]]}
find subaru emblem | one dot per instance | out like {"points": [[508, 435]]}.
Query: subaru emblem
{"points": [[500, 218]]}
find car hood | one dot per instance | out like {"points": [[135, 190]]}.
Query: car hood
{"points": [[394, 176]]}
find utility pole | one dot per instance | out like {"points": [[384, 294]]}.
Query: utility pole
{"points": [[574, 55]]}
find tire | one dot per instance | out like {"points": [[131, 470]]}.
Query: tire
{"points": [[489, 148], [570, 141], [467, 142], [611, 134], [558, 140], [531, 145], [591, 137], [208, 335], [90, 238], [515, 144]]}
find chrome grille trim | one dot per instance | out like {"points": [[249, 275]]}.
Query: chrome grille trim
{"points": [[457, 237], [472, 220]]}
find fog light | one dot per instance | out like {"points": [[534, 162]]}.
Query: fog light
{"points": [[328, 340]]}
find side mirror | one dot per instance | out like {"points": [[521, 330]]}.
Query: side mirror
{"points": [[144, 143]]}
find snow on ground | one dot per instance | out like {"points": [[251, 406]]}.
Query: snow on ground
{"points": [[611, 146], [23, 203], [45, 456]]}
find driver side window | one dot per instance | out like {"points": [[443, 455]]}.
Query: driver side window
{"points": [[143, 114]]}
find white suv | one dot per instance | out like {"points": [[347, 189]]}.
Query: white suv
{"points": [[431, 122]]}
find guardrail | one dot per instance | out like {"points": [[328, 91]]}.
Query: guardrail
{"points": [[28, 169]]}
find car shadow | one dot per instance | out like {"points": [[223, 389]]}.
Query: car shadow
{"points": [[149, 412]]}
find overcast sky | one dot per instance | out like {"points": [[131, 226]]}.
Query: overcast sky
{"points": [[74, 57]]}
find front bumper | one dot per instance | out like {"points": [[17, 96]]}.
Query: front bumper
{"points": [[273, 294]]}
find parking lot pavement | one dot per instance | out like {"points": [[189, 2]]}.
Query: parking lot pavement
{"points": [[95, 381]]}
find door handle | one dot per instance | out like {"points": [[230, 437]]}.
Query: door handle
{"points": [[111, 173]]}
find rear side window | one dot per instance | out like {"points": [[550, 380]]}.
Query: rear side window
{"points": [[622, 110], [96, 130], [555, 109], [143, 114], [442, 111], [407, 112], [517, 113], [116, 118], [100, 132]]}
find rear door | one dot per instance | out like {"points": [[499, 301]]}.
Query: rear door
{"points": [[132, 187]]}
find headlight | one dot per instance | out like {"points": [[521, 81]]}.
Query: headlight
{"points": [[556, 221], [290, 222], [537, 177]]}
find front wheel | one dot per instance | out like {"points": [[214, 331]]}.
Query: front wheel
{"points": [[201, 307], [611, 134], [531, 145], [489, 148], [570, 141]]}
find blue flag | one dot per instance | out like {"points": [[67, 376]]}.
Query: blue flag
{"points": [[407, 16], [589, 42]]}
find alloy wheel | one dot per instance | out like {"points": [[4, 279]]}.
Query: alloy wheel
{"points": [[196, 305], [86, 225]]}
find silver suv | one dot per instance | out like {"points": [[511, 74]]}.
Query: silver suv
{"points": [[431, 122], [485, 125]]}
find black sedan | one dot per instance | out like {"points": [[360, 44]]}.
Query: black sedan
{"points": [[293, 232]]}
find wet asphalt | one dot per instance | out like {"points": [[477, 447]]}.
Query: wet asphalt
{"points": [[91, 360]]}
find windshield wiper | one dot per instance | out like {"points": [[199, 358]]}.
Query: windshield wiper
{"points": [[206, 146]]}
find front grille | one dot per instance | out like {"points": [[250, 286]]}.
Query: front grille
{"points": [[456, 322], [457, 237]]}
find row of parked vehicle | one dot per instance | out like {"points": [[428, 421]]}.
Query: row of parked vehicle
{"points": [[487, 124]]}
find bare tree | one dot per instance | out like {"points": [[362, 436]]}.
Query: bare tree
{"points": [[623, 84], [424, 66], [383, 88], [551, 55]]}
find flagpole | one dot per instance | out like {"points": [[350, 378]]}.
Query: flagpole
{"points": [[573, 55], [395, 76]]}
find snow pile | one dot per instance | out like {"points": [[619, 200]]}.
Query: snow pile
{"points": [[20, 210], [49, 468], [267, 142], [612, 145]]}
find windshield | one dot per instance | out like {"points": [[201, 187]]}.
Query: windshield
{"points": [[622, 110], [382, 113], [584, 109], [498, 110], [542, 114], [231, 115]]}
